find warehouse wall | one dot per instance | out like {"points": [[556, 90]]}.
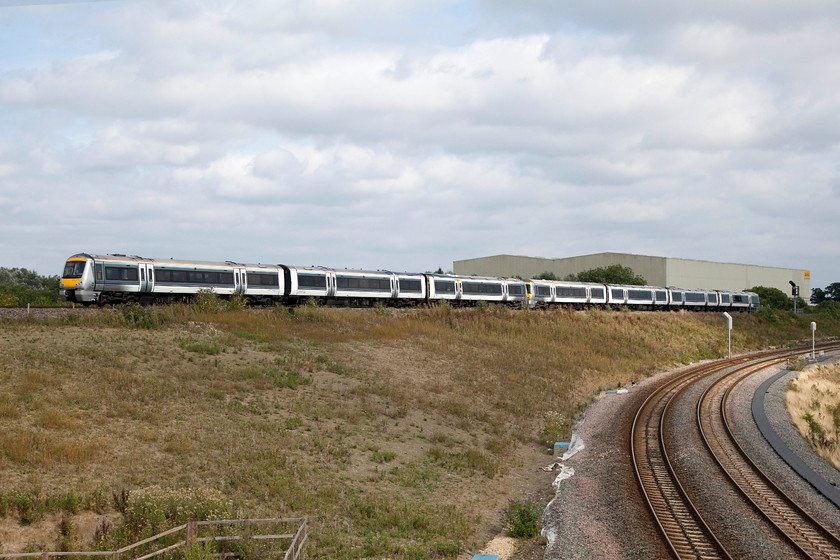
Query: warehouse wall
{"points": [[658, 271]]}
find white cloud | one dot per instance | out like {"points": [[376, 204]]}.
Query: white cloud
{"points": [[362, 135]]}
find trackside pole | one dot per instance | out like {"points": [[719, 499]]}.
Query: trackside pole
{"points": [[729, 330], [813, 331]]}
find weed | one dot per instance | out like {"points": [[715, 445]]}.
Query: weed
{"points": [[206, 301], [120, 499], [797, 363], [522, 518], [135, 315], [68, 534], [102, 533], [556, 427], [817, 432], [383, 456], [199, 551]]}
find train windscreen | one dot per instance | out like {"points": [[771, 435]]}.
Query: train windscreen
{"points": [[73, 269]]}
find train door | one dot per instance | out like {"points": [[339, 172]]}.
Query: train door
{"points": [[395, 286], [331, 284], [147, 285], [144, 283], [98, 276], [240, 280]]}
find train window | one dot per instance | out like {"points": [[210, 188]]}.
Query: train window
{"points": [[617, 293], [516, 289], [739, 298], [263, 279], [724, 298], [640, 294], [573, 292], [363, 284], [121, 273], [694, 297], [482, 288], [445, 286], [410, 285], [312, 280], [544, 291], [661, 295], [597, 293], [677, 297], [74, 269]]}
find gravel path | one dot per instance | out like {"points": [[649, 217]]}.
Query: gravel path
{"points": [[37, 313], [595, 512], [598, 511]]}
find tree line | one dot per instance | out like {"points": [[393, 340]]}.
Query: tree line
{"points": [[19, 286]]}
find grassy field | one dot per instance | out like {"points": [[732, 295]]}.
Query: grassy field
{"points": [[399, 434]]}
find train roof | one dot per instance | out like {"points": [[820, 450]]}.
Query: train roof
{"points": [[128, 259]]}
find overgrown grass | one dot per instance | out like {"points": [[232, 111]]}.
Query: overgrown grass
{"points": [[385, 429], [813, 401]]}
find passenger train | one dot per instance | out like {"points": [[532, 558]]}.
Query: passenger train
{"points": [[105, 279]]}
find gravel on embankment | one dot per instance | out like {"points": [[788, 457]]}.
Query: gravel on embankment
{"points": [[598, 512]]}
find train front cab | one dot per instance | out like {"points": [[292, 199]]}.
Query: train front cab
{"points": [[76, 284]]}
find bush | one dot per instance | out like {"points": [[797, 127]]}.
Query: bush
{"points": [[828, 307], [207, 301], [772, 298], [522, 519], [155, 509], [19, 286], [556, 427], [137, 316]]}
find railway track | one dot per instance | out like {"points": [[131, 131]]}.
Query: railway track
{"points": [[804, 532], [684, 530]]}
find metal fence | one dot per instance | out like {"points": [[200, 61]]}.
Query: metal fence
{"points": [[248, 539]]}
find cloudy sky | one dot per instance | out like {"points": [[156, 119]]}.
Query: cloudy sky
{"points": [[406, 134]]}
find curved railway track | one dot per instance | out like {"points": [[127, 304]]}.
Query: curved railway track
{"points": [[804, 532], [685, 531]]}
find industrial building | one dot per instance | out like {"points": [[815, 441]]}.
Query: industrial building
{"points": [[658, 271]]}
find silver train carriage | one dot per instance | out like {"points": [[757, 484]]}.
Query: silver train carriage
{"points": [[103, 279]]}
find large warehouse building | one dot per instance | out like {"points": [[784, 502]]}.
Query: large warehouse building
{"points": [[658, 271]]}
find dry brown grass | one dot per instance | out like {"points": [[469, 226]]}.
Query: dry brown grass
{"points": [[813, 401], [400, 434]]}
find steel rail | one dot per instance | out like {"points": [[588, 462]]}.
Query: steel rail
{"points": [[683, 528], [685, 532], [806, 534]]}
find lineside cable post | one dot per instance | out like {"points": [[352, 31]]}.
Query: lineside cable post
{"points": [[729, 331]]}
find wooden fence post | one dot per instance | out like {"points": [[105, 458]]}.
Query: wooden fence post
{"points": [[191, 530]]}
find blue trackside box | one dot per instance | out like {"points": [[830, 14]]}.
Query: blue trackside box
{"points": [[486, 557]]}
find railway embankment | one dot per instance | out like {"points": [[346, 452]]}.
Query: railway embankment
{"points": [[396, 433]]}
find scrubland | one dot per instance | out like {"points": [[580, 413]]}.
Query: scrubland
{"points": [[398, 434], [813, 400]]}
